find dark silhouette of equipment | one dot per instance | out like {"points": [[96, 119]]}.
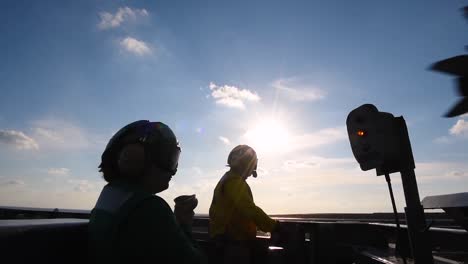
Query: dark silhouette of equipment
{"points": [[455, 205], [457, 66], [380, 141]]}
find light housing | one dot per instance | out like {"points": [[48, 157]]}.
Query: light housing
{"points": [[373, 137]]}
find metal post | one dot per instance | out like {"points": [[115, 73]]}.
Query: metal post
{"points": [[416, 222]]}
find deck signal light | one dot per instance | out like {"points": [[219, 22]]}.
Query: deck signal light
{"points": [[373, 137]]}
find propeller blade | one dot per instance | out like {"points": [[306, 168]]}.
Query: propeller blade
{"points": [[459, 109]]}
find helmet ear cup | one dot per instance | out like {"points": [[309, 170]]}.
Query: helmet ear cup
{"points": [[131, 160]]}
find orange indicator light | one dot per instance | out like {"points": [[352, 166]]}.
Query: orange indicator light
{"points": [[361, 133]]}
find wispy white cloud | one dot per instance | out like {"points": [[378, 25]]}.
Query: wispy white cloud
{"points": [[49, 134], [135, 46], [82, 185], [197, 171], [123, 14], [53, 192], [457, 132], [315, 139], [441, 171], [58, 171], [443, 140], [225, 140], [232, 96], [17, 139], [460, 128], [40, 198], [262, 171], [457, 174], [295, 164], [317, 162], [60, 134], [189, 172], [296, 91], [11, 182]]}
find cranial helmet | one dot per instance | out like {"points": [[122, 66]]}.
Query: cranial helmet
{"points": [[243, 157], [160, 145]]}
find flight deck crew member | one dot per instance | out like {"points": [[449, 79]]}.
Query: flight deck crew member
{"points": [[234, 217], [130, 224]]}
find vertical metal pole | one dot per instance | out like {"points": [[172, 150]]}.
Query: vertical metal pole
{"points": [[415, 219]]}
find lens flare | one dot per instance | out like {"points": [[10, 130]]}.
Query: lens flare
{"points": [[268, 136]]}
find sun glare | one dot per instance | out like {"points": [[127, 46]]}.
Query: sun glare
{"points": [[268, 136]]}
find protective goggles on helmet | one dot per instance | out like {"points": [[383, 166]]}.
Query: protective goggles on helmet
{"points": [[164, 155], [160, 143]]}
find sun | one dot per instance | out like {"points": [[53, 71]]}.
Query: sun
{"points": [[268, 136]]}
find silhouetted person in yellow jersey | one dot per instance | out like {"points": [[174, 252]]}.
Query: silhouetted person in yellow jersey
{"points": [[234, 217]]}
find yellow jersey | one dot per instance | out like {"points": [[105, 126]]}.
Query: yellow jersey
{"points": [[233, 212]]}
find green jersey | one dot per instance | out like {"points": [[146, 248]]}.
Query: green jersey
{"points": [[128, 225]]}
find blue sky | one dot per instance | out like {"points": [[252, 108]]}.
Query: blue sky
{"points": [[281, 76]]}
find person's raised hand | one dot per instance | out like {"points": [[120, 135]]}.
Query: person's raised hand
{"points": [[184, 209]]}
